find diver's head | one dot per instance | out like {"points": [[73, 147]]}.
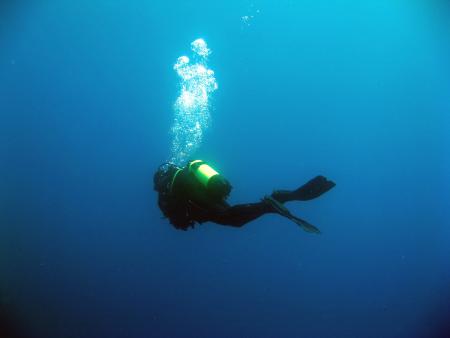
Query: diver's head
{"points": [[163, 175]]}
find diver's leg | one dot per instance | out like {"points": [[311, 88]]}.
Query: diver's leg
{"points": [[241, 214], [312, 189]]}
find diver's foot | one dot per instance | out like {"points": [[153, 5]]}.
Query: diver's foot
{"points": [[276, 206], [280, 209], [313, 188]]}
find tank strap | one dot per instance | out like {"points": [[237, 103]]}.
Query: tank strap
{"points": [[173, 179], [194, 162]]}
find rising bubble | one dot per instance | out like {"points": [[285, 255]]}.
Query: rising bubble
{"points": [[192, 107]]}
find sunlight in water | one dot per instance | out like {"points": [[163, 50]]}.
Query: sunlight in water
{"points": [[192, 106]]}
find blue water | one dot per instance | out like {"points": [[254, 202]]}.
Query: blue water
{"points": [[358, 91]]}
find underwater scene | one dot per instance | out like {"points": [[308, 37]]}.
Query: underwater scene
{"points": [[221, 169]]}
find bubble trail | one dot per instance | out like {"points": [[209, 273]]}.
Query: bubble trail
{"points": [[192, 107]]}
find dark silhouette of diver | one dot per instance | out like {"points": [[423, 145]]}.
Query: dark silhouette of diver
{"points": [[198, 193]]}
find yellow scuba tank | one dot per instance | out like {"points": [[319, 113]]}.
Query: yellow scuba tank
{"points": [[210, 179], [202, 172]]}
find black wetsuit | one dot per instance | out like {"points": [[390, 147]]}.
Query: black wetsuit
{"points": [[187, 201], [184, 201]]}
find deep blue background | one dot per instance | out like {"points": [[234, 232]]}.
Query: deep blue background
{"points": [[358, 91]]}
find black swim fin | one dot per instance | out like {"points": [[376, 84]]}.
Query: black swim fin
{"points": [[310, 190], [283, 211]]}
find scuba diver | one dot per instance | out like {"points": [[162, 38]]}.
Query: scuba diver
{"points": [[198, 193]]}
